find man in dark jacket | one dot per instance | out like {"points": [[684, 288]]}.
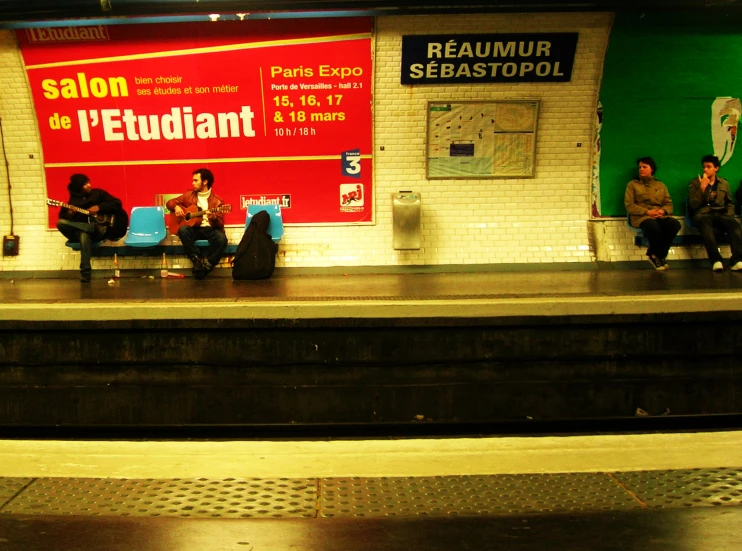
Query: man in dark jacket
{"points": [[210, 226], [711, 202], [77, 226]]}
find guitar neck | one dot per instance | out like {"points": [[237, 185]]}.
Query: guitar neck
{"points": [[76, 209]]}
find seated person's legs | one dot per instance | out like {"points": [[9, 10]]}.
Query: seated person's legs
{"points": [[705, 225], [188, 236], [652, 230], [86, 235], [217, 243], [71, 230], [86, 249], [732, 228], [670, 228]]}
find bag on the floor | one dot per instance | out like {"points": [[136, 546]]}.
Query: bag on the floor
{"points": [[255, 257]]}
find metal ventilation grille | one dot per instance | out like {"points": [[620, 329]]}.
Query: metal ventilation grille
{"points": [[686, 488], [202, 498], [471, 495]]}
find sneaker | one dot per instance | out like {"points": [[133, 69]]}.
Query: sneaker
{"points": [[208, 266], [737, 267], [657, 263], [718, 267], [665, 264]]}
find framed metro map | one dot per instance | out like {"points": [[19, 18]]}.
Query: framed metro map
{"points": [[475, 139]]}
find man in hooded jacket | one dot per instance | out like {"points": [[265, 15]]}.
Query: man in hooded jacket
{"points": [[76, 226]]}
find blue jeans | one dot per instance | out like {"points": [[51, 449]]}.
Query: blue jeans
{"points": [[86, 234], [216, 238]]}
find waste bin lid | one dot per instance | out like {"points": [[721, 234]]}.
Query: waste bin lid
{"points": [[407, 196]]}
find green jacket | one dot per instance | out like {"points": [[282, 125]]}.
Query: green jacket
{"points": [[642, 196], [700, 202]]}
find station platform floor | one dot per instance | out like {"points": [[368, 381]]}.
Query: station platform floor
{"points": [[355, 294], [679, 492]]}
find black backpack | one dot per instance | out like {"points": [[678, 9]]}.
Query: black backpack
{"points": [[255, 257]]}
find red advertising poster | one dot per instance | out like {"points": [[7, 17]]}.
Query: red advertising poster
{"points": [[279, 111]]}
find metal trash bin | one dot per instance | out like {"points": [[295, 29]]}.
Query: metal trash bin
{"points": [[406, 218]]}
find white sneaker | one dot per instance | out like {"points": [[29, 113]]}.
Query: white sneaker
{"points": [[719, 267], [737, 267]]}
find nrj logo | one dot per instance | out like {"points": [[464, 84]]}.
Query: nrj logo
{"points": [[351, 195]]}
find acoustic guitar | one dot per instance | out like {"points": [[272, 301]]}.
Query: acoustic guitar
{"points": [[193, 216], [112, 226]]}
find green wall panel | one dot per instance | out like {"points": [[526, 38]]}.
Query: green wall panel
{"points": [[661, 76]]}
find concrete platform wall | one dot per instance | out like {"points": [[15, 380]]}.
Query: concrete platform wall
{"points": [[370, 371]]}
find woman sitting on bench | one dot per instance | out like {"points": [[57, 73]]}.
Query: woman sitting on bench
{"points": [[650, 208]]}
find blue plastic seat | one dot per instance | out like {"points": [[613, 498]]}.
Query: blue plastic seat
{"points": [[275, 228], [146, 227], [632, 228]]}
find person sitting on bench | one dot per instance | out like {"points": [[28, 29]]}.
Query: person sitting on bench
{"points": [[650, 208], [710, 199], [84, 226], [210, 226]]}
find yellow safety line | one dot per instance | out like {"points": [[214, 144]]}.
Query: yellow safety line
{"points": [[210, 49]]}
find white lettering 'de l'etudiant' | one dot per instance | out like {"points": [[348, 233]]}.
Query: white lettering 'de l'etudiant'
{"points": [[180, 123]]}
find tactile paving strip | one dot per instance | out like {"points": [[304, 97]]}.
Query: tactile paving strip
{"points": [[195, 498], [685, 488], [10, 487], [471, 495]]}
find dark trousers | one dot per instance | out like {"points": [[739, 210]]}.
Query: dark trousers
{"points": [[706, 223], [660, 232], [216, 238], [86, 234]]}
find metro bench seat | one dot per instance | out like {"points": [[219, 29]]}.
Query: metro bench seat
{"points": [[693, 238], [685, 239], [109, 248], [148, 235]]}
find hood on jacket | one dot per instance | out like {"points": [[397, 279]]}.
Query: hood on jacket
{"points": [[261, 220]]}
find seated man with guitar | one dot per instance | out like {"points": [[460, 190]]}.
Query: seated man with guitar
{"points": [[199, 214], [90, 216]]}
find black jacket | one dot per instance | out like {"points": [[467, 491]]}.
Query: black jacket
{"points": [[107, 203]]}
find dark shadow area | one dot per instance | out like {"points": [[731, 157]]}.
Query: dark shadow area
{"points": [[717, 529]]}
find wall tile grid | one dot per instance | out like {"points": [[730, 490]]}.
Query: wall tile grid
{"points": [[544, 219]]}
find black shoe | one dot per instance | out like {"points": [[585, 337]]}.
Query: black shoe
{"points": [[84, 278], [208, 266], [658, 263], [198, 267]]}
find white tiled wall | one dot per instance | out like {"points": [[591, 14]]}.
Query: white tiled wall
{"points": [[539, 220]]}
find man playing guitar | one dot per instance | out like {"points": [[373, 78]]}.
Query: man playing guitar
{"points": [[211, 225], [77, 226]]}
